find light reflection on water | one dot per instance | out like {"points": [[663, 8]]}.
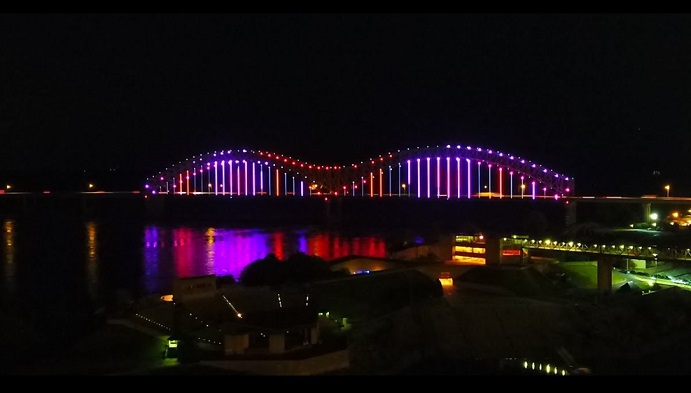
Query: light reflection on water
{"points": [[95, 262], [9, 266], [186, 251]]}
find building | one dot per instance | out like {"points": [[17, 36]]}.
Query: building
{"points": [[488, 250]]}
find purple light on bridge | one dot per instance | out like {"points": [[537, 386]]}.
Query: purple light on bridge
{"points": [[215, 177], [246, 190], [429, 193], [467, 160], [438, 179], [230, 180], [533, 186], [479, 178], [489, 181], [458, 175], [254, 181], [418, 178], [408, 177], [448, 177], [223, 177]]}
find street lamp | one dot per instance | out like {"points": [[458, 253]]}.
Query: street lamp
{"points": [[8, 186], [522, 190], [667, 189], [403, 185], [91, 186]]}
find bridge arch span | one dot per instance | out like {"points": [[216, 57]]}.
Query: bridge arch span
{"points": [[429, 172]]}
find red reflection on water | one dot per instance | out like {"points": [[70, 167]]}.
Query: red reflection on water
{"points": [[183, 252], [186, 252], [278, 244]]}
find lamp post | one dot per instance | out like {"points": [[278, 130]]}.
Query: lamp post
{"points": [[522, 190], [667, 189]]}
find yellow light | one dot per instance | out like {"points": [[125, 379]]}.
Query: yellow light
{"points": [[8, 186], [91, 185], [240, 315], [675, 214], [547, 368], [525, 364], [167, 298]]}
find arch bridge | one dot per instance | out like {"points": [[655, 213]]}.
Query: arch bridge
{"points": [[429, 172]]}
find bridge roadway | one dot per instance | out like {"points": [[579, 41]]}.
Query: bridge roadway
{"points": [[628, 199], [607, 254], [622, 250]]}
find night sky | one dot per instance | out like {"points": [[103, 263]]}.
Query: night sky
{"points": [[604, 98]]}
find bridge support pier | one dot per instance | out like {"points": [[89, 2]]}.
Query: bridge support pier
{"points": [[605, 264], [492, 250], [646, 213], [571, 217]]}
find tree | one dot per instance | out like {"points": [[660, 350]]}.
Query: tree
{"points": [[266, 271], [299, 267]]}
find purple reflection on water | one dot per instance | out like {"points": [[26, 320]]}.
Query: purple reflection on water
{"points": [[186, 251]]}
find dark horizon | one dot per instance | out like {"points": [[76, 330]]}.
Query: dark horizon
{"points": [[116, 98]]}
